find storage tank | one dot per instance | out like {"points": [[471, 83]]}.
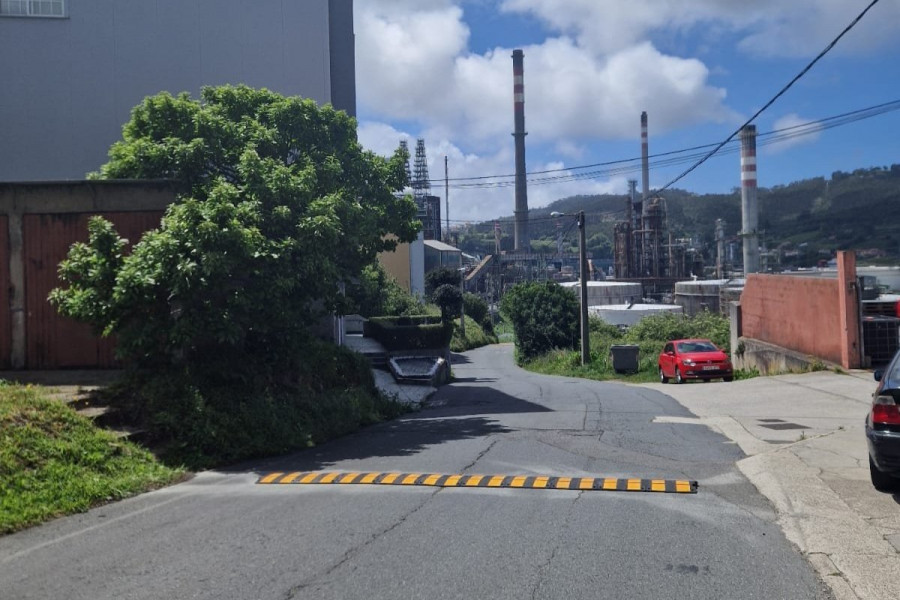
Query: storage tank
{"points": [[697, 296], [629, 314], [603, 293]]}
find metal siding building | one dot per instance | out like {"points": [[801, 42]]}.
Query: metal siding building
{"points": [[68, 83]]}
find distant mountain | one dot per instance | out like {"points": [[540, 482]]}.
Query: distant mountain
{"points": [[800, 223]]}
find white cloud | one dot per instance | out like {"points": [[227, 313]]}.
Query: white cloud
{"points": [[475, 203], [797, 131], [763, 27], [407, 72]]}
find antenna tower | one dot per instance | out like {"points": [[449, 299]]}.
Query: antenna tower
{"points": [[405, 146], [420, 183]]}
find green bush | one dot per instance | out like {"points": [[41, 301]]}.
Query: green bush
{"points": [[544, 315], [667, 326], [377, 294], [476, 308], [330, 392], [449, 299], [410, 333]]}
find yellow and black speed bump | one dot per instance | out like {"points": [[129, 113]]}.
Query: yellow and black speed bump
{"points": [[609, 484]]}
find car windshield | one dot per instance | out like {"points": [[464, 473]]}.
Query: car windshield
{"points": [[696, 347]]}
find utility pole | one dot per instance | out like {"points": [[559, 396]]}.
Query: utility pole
{"points": [[462, 305], [447, 198], [585, 334]]}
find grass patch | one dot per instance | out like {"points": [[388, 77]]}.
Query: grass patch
{"points": [[504, 331], [475, 337], [54, 462]]}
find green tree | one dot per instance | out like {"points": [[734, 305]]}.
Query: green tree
{"points": [[279, 205], [438, 277], [544, 317], [449, 299]]}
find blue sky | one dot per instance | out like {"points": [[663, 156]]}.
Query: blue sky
{"points": [[442, 70]]}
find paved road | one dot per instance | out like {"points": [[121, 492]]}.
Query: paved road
{"points": [[222, 536]]}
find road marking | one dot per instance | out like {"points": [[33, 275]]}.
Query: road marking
{"points": [[609, 484]]}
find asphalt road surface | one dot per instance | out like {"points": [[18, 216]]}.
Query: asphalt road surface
{"points": [[222, 535]]}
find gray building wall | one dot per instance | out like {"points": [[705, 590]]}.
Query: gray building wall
{"points": [[67, 85]]}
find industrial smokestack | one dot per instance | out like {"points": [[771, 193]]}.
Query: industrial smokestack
{"points": [[522, 240], [645, 160], [749, 206], [720, 248]]}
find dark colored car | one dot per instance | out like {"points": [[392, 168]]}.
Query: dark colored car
{"points": [[883, 428], [682, 360]]}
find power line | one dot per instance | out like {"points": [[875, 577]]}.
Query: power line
{"points": [[776, 96], [676, 157]]}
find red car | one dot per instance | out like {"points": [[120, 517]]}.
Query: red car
{"points": [[694, 359]]}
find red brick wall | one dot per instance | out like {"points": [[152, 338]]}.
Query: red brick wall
{"points": [[798, 313]]}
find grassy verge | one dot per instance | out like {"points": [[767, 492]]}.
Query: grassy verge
{"points": [[475, 337], [55, 462], [650, 335]]}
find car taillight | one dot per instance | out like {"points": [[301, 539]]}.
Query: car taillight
{"points": [[885, 411]]}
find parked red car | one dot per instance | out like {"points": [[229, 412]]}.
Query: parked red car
{"points": [[693, 359]]}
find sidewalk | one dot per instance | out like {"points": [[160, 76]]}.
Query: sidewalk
{"points": [[806, 451]]}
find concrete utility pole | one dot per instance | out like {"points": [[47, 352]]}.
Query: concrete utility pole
{"points": [[462, 306], [447, 198], [582, 252], [585, 334]]}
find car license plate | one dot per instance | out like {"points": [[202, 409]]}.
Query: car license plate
{"points": [[710, 368]]}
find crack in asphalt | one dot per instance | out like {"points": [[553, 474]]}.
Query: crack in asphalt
{"points": [[352, 552], [480, 455], [544, 568]]}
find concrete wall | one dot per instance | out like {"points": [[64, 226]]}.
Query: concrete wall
{"points": [[69, 84], [808, 316]]}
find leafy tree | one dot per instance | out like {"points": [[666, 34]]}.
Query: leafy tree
{"points": [[438, 277], [279, 205], [449, 299], [544, 315]]}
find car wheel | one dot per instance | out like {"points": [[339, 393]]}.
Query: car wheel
{"points": [[882, 481], [678, 377], [728, 379], [662, 376]]}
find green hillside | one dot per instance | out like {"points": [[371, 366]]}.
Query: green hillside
{"points": [[804, 222]]}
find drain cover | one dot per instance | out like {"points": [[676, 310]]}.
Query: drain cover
{"points": [[783, 425]]}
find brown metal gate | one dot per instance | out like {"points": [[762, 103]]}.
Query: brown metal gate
{"points": [[53, 341]]}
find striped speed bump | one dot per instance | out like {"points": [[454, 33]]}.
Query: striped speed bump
{"points": [[609, 484]]}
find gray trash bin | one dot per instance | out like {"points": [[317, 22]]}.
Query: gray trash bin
{"points": [[625, 358]]}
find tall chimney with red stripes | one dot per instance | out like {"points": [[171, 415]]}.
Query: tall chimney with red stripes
{"points": [[749, 205], [522, 240]]}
